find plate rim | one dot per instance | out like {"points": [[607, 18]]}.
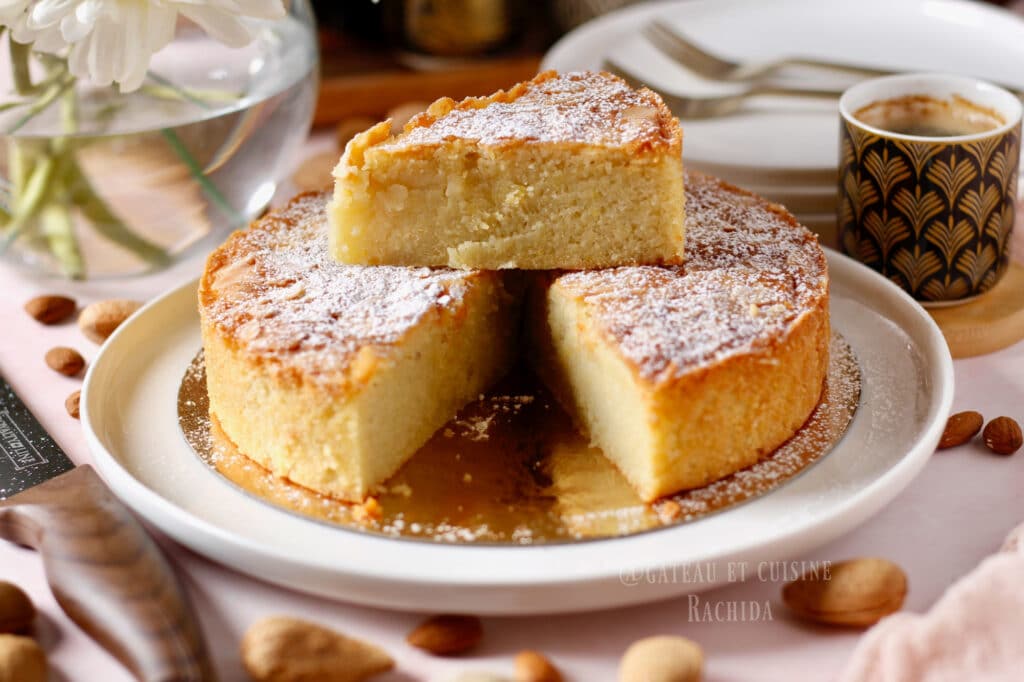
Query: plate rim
{"points": [[603, 28], [209, 539]]}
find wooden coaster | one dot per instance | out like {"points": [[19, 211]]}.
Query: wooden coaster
{"points": [[989, 323]]}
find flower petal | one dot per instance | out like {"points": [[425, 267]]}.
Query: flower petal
{"points": [[11, 10], [221, 25], [72, 29], [48, 12], [104, 46], [136, 52]]}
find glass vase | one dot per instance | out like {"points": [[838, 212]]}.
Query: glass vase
{"points": [[96, 183]]}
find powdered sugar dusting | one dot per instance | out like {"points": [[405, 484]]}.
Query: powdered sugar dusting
{"points": [[581, 107], [750, 272], [278, 292]]}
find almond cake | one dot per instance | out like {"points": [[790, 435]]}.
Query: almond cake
{"points": [[684, 375], [566, 171], [333, 375]]}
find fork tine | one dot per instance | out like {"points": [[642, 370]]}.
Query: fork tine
{"points": [[686, 53], [613, 67], [683, 107]]}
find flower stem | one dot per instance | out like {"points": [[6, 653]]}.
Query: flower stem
{"points": [[20, 53], [102, 217], [166, 89], [60, 87], [106, 222], [197, 173], [60, 235], [29, 200]]}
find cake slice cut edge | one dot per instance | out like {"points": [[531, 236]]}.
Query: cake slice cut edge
{"points": [[566, 171], [684, 375], [332, 376]]}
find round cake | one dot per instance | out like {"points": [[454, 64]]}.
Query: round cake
{"points": [[333, 375]]}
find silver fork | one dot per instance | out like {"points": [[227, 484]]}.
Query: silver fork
{"points": [[708, 65], [709, 106]]}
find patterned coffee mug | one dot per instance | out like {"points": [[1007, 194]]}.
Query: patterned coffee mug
{"points": [[933, 214]]}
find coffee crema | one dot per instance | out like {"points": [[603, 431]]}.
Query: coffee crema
{"points": [[924, 116]]}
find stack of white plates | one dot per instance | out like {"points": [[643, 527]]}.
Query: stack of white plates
{"points": [[787, 149]]}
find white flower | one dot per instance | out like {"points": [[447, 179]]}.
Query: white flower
{"points": [[112, 41]]}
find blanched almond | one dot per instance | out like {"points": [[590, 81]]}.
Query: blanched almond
{"points": [[664, 658], [855, 593], [99, 320], [281, 649]]}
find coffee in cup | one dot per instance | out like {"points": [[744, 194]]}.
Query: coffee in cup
{"points": [[928, 176], [924, 116]]}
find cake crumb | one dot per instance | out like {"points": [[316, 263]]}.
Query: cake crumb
{"points": [[669, 511], [368, 512]]}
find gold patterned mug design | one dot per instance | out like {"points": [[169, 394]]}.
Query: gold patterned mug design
{"points": [[932, 213]]}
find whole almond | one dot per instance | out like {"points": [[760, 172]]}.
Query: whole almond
{"points": [[16, 609], [447, 635], [1002, 436], [533, 666], [66, 361], [21, 660], [51, 309], [665, 658], [99, 320], [960, 428], [72, 404], [855, 593], [281, 649]]}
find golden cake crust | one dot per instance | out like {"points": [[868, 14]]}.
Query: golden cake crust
{"points": [[274, 293], [571, 171], [752, 272], [586, 107], [331, 375]]}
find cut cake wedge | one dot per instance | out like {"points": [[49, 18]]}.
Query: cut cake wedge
{"points": [[566, 171]]}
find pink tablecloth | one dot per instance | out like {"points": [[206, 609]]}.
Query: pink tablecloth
{"points": [[958, 511]]}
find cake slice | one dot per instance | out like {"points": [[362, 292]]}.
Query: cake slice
{"points": [[566, 171], [332, 375], [684, 375]]}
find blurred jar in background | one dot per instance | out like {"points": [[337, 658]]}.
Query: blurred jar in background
{"points": [[443, 28], [458, 28]]}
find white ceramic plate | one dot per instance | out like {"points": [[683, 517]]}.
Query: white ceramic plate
{"points": [[129, 412], [969, 38]]}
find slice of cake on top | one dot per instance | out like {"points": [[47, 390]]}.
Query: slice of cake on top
{"points": [[566, 171]]}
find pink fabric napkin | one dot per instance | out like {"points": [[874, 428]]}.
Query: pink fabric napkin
{"points": [[974, 633]]}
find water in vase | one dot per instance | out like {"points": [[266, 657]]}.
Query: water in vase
{"points": [[194, 153]]}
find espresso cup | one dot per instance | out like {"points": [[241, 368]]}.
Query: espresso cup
{"points": [[928, 168]]}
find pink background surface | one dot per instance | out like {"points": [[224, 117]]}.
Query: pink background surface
{"points": [[955, 513]]}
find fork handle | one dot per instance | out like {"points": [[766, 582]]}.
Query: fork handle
{"points": [[109, 576], [816, 93], [854, 69]]}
